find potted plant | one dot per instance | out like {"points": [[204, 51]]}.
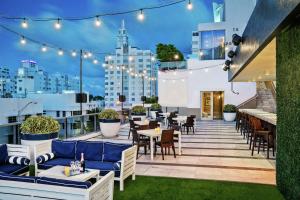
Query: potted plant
{"points": [[155, 107], [109, 122], [138, 112], [229, 112], [38, 129]]}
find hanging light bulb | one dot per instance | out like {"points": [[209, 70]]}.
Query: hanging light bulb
{"points": [[60, 52], [189, 6], [103, 65], [201, 53], [141, 15], [176, 56], [85, 55], [57, 24], [89, 54], [73, 53], [23, 40], [44, 48], [24, 23], [152, 58], [191, 72], [97, 22], [109, 57], [95, 61]]}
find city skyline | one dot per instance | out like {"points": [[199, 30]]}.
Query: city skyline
{"points": [[102, 39]]}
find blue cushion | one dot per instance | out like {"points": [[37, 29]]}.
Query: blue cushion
{"points": [[44, 158], [92, 150], [9, 177], [64, 149], [13, 169], [112, 152], [3, 153], [64, 183], [104, 167], [17, 160], [56, 161]]}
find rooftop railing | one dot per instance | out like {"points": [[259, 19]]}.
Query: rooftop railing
{"points": [[164, 66], [73, 126]]}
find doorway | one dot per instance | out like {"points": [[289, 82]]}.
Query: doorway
{"points": [[212, 105]]}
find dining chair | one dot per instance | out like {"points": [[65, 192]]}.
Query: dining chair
{"points": [[132, 126], [166, 141], [189, 124], [140, 141], [153, 124], [137, 119]]}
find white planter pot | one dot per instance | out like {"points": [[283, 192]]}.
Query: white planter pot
{"points": [[110, 129], [153, 114], [143, 117], [229, 117]]}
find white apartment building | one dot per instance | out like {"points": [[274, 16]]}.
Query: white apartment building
{"points": [[203, 86], [31, 78], [122, 72], [7, 83]]}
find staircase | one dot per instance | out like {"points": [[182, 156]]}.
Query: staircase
{"points": [[266, 99]]}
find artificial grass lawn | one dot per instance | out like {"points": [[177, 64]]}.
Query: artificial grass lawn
{"points": [[160, 188]]}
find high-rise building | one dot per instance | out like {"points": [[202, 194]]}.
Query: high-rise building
{"points": [[32, 79], [130, 71]]}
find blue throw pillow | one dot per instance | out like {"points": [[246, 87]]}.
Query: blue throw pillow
{"points": [[17, 160], [64, 183], [64, 149], [92, 150], [112, 152], [3, 153]]}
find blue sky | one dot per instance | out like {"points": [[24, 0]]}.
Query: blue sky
{"points": [[172, 25]]}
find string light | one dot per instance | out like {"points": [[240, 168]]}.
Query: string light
{"points": [[23, 40], [201, 53], [130, 58], [60, 52], [57, 24], [152, 58], [141, 15], [103, 65], [206, 70], [24, 23], [73, 53], [189, 6], [95, 61], [176, 56], [97, 22], [85, 55], [89, 54], [44, 48], [109, 57]]}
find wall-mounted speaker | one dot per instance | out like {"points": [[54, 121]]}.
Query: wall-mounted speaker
{"points": [[143, 98], [122, 98], [81, 97]]}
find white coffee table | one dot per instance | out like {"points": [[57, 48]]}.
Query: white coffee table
{"points": [[58, 173]]}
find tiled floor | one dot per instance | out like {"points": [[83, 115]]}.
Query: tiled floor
{"points": [[216, 151]]}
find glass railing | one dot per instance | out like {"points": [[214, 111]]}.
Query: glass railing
{"points": [[73, 126], [172, 65]]}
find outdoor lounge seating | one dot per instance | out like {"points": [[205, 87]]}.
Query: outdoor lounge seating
{"points": [[103, 156], [14, 159], [28, 187]]}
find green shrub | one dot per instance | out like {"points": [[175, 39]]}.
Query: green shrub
{"points": [[229, 108], [155, 106], [152, 99], [109, 114], [138, 110], [40, 125]]}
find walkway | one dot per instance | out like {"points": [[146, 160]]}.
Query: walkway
{"points": [[216, 152]]}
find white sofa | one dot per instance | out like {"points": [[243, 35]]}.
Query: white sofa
{"points": [[16, 190]]}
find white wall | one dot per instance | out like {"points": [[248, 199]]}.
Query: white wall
{"points": [[183, 88], [11, 106]]}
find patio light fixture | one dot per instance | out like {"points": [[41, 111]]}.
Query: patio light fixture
{"points": [[24, 23], [73, 53], [60, 52], [236, 39], [23, 40], [189, 6], [57, 24], [231, 54], [97, 22], [44, 48], [141, 15]]}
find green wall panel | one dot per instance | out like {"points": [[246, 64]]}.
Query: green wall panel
{"points": [[288, 112]]}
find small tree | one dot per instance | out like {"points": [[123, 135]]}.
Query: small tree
{"points": [[167, 52]]}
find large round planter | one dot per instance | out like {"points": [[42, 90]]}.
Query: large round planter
{"points": [[153, 114], [110, 127], [33, 139], [229, 117], [142, 116]]}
